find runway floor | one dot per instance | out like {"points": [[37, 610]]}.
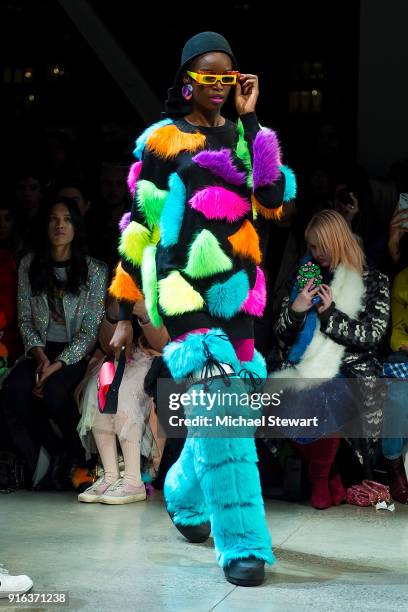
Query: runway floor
{"points": [[120, 558]]}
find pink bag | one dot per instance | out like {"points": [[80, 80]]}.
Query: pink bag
{"points": [[109, 379], [105, 378], [368, 493]]}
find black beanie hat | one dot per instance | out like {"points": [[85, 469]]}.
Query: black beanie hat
{"points": [[205, 42]]}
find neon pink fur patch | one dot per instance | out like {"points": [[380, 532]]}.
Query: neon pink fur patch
{"points": [[133, 176], [256, 300], [220, 203]]}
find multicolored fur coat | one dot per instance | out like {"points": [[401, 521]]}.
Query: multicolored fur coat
{"points": [[189, 244]]}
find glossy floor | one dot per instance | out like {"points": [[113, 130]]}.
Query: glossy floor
{"points": [[113, 558]]}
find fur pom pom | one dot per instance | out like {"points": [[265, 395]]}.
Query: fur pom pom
{"points": [[257, 365], [141, 141], [123, 287], [206, 257], [274, 214], [149, 282], [221, 164], [290, 184], [173, 211], [242, 148], [245, 242], [177, 296], [124, 222], [133, 176], [150, 200], [220, 203], [169, 141], [266, 164], [256, 300], [133, 242], [191, 354], [225, 299]]}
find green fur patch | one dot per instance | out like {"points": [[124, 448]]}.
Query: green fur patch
{"points": [[205, 257], [133, 242], [150, 201], [149, 284], [242, 152]]}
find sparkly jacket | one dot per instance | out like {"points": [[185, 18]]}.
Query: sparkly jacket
{"points": [[83, 312], [189, 243], [347, 339]]}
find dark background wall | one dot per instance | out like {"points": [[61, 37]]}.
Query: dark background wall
{"points": [[383, 84], [306, 55]]}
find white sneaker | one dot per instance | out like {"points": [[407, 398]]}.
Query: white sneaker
{"points": [[94, 493], [123, 493], [10, 585]]}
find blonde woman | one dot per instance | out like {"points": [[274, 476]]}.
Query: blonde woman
{"points": [[337, 337]]}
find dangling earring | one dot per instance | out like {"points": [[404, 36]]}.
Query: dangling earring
{"points": [[187, 91]]}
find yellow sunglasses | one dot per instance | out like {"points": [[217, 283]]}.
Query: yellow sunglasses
{"points": [[228, 78]]}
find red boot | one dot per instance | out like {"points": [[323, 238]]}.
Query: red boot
{"points": [[321, 456], [398, 480]]}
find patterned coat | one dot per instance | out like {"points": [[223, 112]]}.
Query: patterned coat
{"points": [[191, 245], [361, 337]]}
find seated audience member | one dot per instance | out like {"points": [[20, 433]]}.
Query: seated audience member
{"points": [[134, 411], [396, 413], [337, 337], [61, 295]]}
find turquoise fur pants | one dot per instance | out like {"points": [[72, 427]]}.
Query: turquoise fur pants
{"points": [[216, 479]]}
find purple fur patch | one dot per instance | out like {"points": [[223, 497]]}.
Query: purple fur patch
{"points": [[220, 163], [266, 158], [133, 176], [124, 222], [220, 203]]}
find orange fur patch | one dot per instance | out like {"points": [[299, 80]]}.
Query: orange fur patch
{"points": [[245, 242], [274, 214], [169, 141], [123, 287]]}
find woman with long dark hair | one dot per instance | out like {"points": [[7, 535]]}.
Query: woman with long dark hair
{"points": [[61, 294]]}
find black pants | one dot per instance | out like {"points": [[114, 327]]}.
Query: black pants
{"points": [[28, 417]]}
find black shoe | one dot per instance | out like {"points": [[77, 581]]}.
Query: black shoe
{"points": [[197, 534], [245, 572]]}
